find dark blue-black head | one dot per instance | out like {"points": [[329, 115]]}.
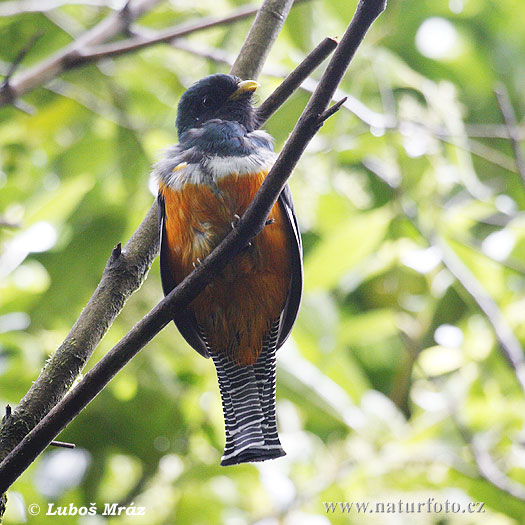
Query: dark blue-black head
{"points": [[220, 96]]}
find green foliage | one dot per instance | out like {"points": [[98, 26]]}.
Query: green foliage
{"points": [[393, 373]]}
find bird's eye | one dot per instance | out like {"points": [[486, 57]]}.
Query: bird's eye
{"points": [[207, 102]]}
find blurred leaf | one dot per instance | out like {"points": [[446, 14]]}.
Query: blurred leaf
{"points": [[368, 328], [57, 206], [345, 247]]}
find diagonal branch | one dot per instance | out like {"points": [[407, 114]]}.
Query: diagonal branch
{"points": [[124, 273], [265, 29], [250, 224], [486, 466], [510, 346], [18, 59]]}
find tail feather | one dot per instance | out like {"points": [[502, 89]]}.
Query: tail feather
{"points": [[265, 373], [248, 402]]}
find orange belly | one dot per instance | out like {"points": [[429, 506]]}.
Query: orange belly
{"points": [[235, 311]]}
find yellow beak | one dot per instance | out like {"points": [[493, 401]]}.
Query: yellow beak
{"points": [[246, 86]]}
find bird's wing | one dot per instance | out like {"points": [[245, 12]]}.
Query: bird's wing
{"points": [[295, 289], [183, 318]]}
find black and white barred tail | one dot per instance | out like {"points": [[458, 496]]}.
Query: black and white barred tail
{"points": [[248, 403]]}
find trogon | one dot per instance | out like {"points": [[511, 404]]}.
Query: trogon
{"points": [[205, 183]]}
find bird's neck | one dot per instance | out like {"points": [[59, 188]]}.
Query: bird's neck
{"points": [[224, 138]]}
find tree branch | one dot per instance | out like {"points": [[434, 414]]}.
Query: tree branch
{"points": [[265, 28], [294, 79], [250, 224], [54, 65], [91, 46], [490, 471], [18, 60]]}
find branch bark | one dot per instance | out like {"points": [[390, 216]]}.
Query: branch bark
{"points": [[265, 28], [250, 224]]}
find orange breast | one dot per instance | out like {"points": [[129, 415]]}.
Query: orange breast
{"points": [[235, 311]]}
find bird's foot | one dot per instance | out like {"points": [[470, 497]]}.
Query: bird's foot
{"points": [[196, 263], [235, 221]]}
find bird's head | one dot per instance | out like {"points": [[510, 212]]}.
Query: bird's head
{"points": [[220, 96]]}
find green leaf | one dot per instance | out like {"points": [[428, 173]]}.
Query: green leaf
{"points": [[345, 248], [368, 328]]}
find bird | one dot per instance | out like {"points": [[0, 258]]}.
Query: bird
{"points": [[205, 183]]}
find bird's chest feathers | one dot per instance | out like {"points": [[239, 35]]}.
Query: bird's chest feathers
{"points": [[200, 213]]}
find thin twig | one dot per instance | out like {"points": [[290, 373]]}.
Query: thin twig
{"points": [[483, 151], [4, 223], [95, 53], [494, 131], [490, 472], [512, 263], [56, 64], [5, 86], [295, 79], [332, 110], [21, 55], [509, 117], [250, 224], [7, 414]]}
